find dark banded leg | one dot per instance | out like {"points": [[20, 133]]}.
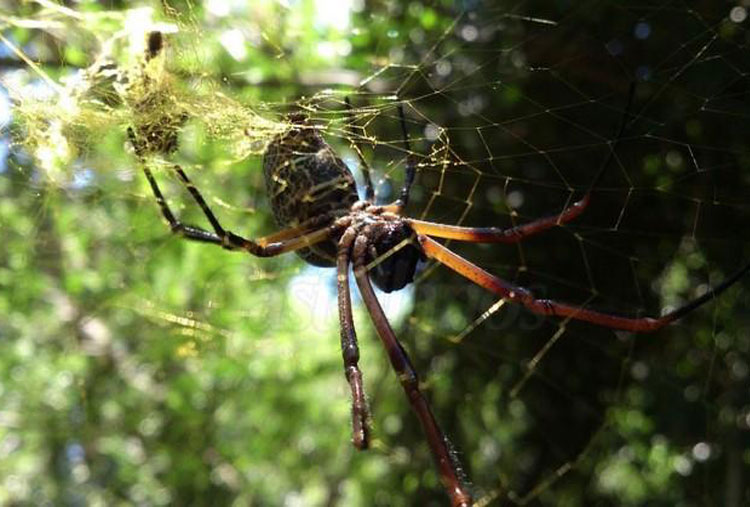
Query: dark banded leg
{"points": [[411, 164], [349, 347], [446, 463], [276, 244], [369, 189], [516, 294], [177, 227]]}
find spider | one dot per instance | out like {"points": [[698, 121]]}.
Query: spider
{"points": [[314, 197]]}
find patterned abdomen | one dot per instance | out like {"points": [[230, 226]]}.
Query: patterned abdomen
{"points": [[305, 179]]}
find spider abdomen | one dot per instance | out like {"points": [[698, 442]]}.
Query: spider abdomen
{"points": [[304, 180]]}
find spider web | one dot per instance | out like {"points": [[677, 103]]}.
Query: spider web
{"points": [[511, 109]]}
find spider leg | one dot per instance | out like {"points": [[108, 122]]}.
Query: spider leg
{"points": [[297, 231], [519, 232], [349, 347], [188, 231], [497, 234], [523, 296], [411, 165], [446, 462], [369, 189], [276, 244]]}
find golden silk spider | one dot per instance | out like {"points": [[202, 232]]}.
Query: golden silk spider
{"points": [[314, 197]]}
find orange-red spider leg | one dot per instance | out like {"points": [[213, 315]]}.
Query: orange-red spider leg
{"points": [[496, 234], [293, 232], [516, 294], [446, 463]]}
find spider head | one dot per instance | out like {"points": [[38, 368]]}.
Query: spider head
{"points": [[395, 255]]}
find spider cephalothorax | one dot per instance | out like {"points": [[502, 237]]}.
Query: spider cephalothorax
{"points": [[392, 254], [313, 195]]}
